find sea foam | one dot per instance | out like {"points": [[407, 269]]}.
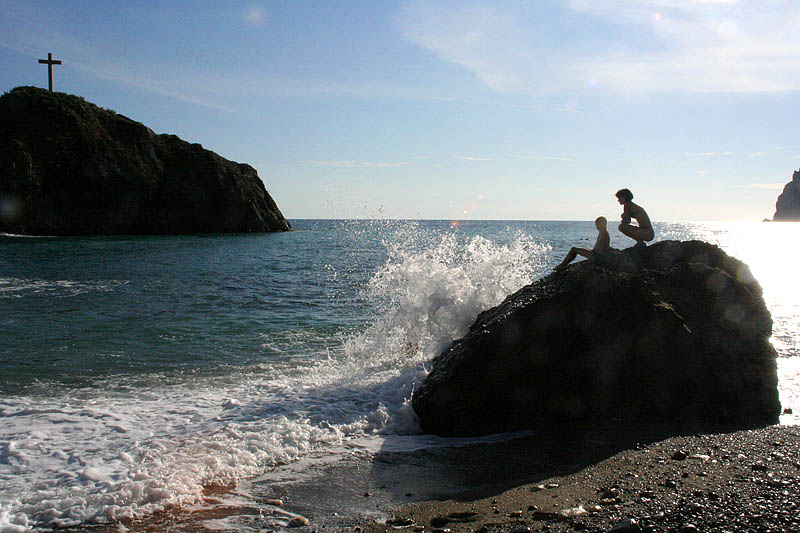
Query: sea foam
{"points": [[126, 448]]}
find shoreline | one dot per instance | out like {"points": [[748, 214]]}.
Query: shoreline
{"points": [[739, 481], [743, 480]]}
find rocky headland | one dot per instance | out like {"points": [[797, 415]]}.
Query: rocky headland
{"points": [[69, 167], [676, 333], [787, 208]]}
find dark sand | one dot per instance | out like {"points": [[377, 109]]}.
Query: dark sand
{"points": [[740, 481]]}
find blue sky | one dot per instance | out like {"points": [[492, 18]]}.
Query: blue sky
{"points": [[537, 109]]}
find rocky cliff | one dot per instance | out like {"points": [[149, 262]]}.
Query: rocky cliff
{"points": [[68, 167], [787, 208], [675, 332]]}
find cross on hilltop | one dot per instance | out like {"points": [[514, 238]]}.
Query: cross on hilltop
{"points": [[50, 62]]}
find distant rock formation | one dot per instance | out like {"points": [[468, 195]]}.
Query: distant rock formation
{"points": [[68, 167], [676, 331], [787, 208]]}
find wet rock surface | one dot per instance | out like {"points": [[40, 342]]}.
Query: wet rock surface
{"points": [[675, 331], [742, 481], [68, 167]]}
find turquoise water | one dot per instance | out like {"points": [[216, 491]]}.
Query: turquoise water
{"points": [[138, 370], [85, 308], [79, 309]]}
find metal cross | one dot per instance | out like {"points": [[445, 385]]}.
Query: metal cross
{"points": [[50, 62]]}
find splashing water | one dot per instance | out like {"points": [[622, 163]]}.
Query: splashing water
{"points": [[344, 320], [430, 299], [435, 295], [131, 446]]}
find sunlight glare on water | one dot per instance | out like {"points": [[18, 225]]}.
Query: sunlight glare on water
{"points": [[771, 253], [770, 250]]}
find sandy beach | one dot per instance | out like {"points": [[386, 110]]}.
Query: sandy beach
{"points": [[739, 481]]}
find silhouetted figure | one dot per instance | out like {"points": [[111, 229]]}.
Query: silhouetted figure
{"points": [[644, 231], [601, 245]]}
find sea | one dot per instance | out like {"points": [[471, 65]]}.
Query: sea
{"points": [[194, 381]]}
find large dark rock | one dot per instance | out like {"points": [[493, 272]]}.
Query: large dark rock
{"points": [[68, 167], [676, 331], [787, 208]]}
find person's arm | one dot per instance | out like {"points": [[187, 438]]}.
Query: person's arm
{"points": [[626, 213]]}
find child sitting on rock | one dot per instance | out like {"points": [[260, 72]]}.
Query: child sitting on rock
{"points": [[601, 245]]}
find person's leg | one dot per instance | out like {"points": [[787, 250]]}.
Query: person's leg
{"points": [[636, 233], [567, 260], [572, 254]]}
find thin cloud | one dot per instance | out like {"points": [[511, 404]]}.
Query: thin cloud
{"points": [[105, 67], [709, 154], [757, 154], [473, 158], [547, 158], [769, 186], [359, 164], [385, 164], [697, 46], [125, 77]]}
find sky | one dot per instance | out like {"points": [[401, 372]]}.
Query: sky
{"points": [[422, 109]]}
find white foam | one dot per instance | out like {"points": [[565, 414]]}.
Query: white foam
{"points": [[128, 448], [17, 288], [125, 449], [19, 236]]}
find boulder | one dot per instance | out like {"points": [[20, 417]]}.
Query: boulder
{"points": [[787, 208], [68, 167], [676, 331]]}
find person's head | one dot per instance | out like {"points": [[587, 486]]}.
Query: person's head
{"points": [[624, 195], [601, 223]]}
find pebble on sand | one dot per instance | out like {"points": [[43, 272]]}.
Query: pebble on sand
{"points": [[298, 521], [629, 525], [573, 511]]}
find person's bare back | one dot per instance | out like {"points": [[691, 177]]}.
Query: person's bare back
{"points": [[603, 242]]}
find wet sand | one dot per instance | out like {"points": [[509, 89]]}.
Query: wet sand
{"points": [[567, 481]]}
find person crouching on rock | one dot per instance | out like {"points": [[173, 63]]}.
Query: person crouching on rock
{"points": [[644, 231], [601, 245]]}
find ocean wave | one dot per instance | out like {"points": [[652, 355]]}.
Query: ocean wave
{"points": [[124, 449]]}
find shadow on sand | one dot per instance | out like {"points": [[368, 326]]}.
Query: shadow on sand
{"points": [[481, 470]]}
